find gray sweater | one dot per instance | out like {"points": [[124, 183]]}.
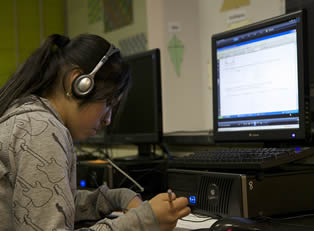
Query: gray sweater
{"points": [[38, 178]]}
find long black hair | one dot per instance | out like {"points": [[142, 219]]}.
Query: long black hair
{"points": [[48, 67]]}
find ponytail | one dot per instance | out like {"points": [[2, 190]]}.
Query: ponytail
{"points": [[37, 73], [45, 72]]}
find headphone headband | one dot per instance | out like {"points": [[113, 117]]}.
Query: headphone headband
{"points": [[84, 84]]}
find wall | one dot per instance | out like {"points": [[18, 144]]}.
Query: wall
{"points": [[7, 41], [212, 21], [187, 90], [182, 98], [187, 98], [25, 23], [78, 21]]}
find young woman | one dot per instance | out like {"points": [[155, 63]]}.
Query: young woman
{"points": [[66, 91]]}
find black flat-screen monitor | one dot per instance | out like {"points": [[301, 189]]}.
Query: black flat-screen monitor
{"points": [[139, 119], [260, 84]]}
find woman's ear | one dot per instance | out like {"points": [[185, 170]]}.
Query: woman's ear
{"points": [[72, 76]]}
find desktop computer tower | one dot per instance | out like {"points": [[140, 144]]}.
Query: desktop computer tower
{"points": [[151, 175], [93, 173], [244, 195]]}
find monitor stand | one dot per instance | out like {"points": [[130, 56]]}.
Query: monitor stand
{"points": [[144, 155]]}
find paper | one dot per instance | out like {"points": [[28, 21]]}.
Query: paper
{"points": [[174, 27], [95, 9], [117, 14], [193, 222], [176, 51], [234, 4], [236, 16], [133, 44]]}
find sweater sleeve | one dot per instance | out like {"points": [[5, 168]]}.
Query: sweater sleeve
{"points": [[103, 201], [137, 219], [92, 205]]}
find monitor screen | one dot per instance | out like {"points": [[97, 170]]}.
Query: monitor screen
{"points": [[139, 120], [260, 89]]}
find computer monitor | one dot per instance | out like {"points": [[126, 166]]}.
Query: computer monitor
{"points": [[140, 121], [260, 84]]}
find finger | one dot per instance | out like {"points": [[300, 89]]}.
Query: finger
{"points": [[173, 225], [168, 227], [184, 212], [163, 196], [173, 196], [181, 202], [166, 197]]}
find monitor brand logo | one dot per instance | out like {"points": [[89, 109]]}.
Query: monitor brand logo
{"points": [[253, 134]]}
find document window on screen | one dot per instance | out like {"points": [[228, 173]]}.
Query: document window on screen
{"points": [[257, 78]]}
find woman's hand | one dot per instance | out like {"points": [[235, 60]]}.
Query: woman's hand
{"points": [[134, 203], [168, 212]]}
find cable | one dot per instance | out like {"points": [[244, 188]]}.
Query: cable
{"points": [[126, 175], [164, 148], [105, 153]]}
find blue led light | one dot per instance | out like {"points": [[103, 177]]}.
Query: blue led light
{"points": [[83, 183], [293, 135], [192, 199]]}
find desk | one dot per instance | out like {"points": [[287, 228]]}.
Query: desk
{"points": [[196, 222], [302, 223], [294, 224]]}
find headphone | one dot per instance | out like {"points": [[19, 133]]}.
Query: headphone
{"points": [[84, 84]]}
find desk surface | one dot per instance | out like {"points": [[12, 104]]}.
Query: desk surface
{"points": [[302, 223], [197, 222]]}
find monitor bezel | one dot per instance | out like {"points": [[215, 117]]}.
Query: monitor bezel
{"points": [[303, 133], [153, 137]]}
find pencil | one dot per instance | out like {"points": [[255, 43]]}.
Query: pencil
{"points": [[170, 195]]}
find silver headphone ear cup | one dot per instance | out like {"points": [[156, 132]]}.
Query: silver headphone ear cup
{"points": [[82, 85]]}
